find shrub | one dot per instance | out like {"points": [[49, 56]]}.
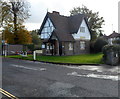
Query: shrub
{"points": [[109, 50], [30, 47], [99, 44], [37, 47], [116, 41]]}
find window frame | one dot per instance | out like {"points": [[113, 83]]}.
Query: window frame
{"points": [[82, 29], [82, 45], [42, 46], [70, 46]]}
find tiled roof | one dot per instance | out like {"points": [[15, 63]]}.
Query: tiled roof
{"points": [[64, 25], [114, 35]]}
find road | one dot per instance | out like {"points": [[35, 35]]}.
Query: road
{"points": [[34, 79]]}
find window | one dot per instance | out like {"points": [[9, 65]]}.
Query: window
{"points": [[42, 36], [47, 45], [70, 46], [47, 30], [82, 45], [43, 45], [82, 29]]}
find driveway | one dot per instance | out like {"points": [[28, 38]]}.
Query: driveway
{"points": [[34, 79]]}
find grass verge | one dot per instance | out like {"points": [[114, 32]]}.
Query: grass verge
{"points": [[77, 59]]}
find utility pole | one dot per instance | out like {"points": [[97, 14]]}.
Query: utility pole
{"points": [[112, 28], [119, 17]]}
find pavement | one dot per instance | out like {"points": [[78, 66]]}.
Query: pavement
{"points": [[23, 78]]}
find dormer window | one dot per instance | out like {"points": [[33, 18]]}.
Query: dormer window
{"points": [[82, 29]]}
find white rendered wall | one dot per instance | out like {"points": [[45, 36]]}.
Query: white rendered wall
{"points": [[85, 35]]}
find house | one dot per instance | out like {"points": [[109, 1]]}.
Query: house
{"points": [[114, 36], [65, 35]]}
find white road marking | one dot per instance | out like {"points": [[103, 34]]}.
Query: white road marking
{"points": [[109, 77], [96, 68], [115, 69], [20, 66]]}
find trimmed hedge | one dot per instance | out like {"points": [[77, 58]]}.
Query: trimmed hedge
{"points": [[109, 48], [113, 50]]}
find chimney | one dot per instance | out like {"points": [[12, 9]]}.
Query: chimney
{"points": [[55, 12], [114, 32]]}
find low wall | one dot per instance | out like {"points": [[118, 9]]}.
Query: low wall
{"points": [[12, 49]]}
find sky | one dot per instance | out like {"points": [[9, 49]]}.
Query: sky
{"points": [[108, 9]]}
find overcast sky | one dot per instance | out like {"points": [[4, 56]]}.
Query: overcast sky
{"points": [[108, 9]]}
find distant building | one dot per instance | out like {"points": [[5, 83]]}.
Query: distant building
{"points": [[114, 36], [65, 35]]}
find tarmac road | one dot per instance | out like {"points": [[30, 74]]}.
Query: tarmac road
{"points": [[34, 79]]}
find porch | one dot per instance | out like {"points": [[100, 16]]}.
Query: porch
{"points": [[51, 47]]}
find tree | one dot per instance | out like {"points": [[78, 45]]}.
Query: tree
{"points": [[116, 41], [99, 44], [4, 12], [35, 38], [15, 12], [23, 35], [95, 22], [8, 35], [100, 35]]}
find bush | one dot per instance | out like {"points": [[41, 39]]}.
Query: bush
{"points": [[111, 54], [30, 47], [99, 44], [109, 48], [116, 41], [37, 47]]}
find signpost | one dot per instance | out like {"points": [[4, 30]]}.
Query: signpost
{"points": [[35, 52], [34, 55]]}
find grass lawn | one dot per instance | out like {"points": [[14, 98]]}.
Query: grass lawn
{"points": [[82, 59]]}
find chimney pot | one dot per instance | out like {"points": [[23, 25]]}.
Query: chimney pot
{"points": [[55, 12], [114, 32]]}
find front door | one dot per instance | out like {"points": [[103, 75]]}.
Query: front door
{"points": [[56, 47]]}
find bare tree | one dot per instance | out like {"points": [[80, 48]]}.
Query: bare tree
{"points": [[19, 11], [15, 11]]}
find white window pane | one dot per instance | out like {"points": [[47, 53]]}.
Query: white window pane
{"points": [[43, 45], [70, 46], [47, 46], [82, 29], [49, 30], [42, 36], [46, 35], [82, 45], [52, 28], [43, 30], [46, 24]]}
